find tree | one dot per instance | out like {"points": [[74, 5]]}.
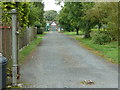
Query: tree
{"points": [[86, 22], [71, 15], [36, 14], [105, 13], [22, 10], [75, 15], [50, 15], [64, 20], [85, 16], [112, 18], [40, 7]]}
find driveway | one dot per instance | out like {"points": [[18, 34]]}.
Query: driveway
{"points": [[59, 62]]}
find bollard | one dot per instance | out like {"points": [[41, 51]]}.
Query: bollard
{"points": [[3, 75]]}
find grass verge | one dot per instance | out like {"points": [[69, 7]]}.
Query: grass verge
{"points": [[24, 53], [109, 51], [28, 49]]}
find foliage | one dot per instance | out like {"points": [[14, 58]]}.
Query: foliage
{"points": [[40, 5], [109, 50], [101, 38], [95, 15], [63, 20], [86, 22], [87, 15], [73, 15], [50, 15], [36, 14], [70, 16], [22, 12], [27, 13], [105, 14]]}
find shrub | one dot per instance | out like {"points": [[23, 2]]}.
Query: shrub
{"points": [[40, 30], [101, 37]]}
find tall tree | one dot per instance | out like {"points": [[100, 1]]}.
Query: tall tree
{"points": [[64, 20], [36, 14], [75, 15], [86, 22], [104, 14], [50, 15], [71, 15]]}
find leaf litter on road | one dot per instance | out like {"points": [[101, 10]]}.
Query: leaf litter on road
{"points": [[87, 82]]}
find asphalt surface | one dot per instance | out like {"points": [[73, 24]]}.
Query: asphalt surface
{"points": [[59, 62]]}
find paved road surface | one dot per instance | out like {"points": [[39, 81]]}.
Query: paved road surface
{"points": [[59, 62]]}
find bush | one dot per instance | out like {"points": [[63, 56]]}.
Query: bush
{"points": [[101, 38], [40, 30]]}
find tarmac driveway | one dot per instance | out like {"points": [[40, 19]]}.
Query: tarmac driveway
{"points": [[59, 62]]}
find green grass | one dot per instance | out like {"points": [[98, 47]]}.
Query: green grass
{"points": [[25, 52], [72, 33], [108, 51], [28, 49], [94, 29]]}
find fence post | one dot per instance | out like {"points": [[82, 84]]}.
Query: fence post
{"points": [[14, 47]]}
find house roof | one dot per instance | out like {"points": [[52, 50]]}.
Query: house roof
{"points": [[53, 23]]}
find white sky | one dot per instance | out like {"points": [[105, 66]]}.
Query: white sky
{"points": [[50, 5]]}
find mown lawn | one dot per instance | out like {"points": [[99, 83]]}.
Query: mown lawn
{"points": [[108, 51], [72, 33]]}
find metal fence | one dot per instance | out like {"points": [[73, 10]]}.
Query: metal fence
{"points": [[24, 39]]}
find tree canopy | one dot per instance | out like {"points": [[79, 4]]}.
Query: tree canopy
{"points": [[50, 15], [28, 13], [86, 15], [36, 14], [70, 15]]}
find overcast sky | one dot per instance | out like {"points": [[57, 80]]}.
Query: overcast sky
{"points": [[50, 5]]}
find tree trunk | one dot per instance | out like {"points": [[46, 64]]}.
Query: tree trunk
{"points": [[87, 34], [99, 26], [87, 30], [77, 31]]}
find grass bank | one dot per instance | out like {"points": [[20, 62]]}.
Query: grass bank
{"points": [[24, 53], [108, 51], [28, 49]]}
